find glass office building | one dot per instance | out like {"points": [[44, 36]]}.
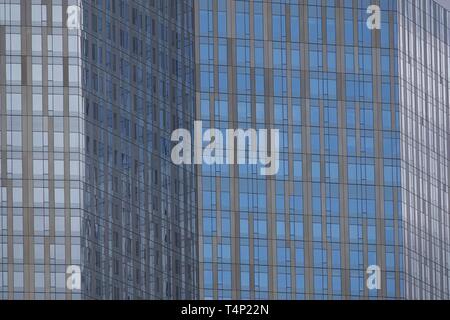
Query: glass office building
{"points": [[424, 73], [91, 91], [357, 185]]}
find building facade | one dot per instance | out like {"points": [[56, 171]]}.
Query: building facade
{"points": [[91, 91], [316, 72], [357, 185], [424, 68], [139, 233]]}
